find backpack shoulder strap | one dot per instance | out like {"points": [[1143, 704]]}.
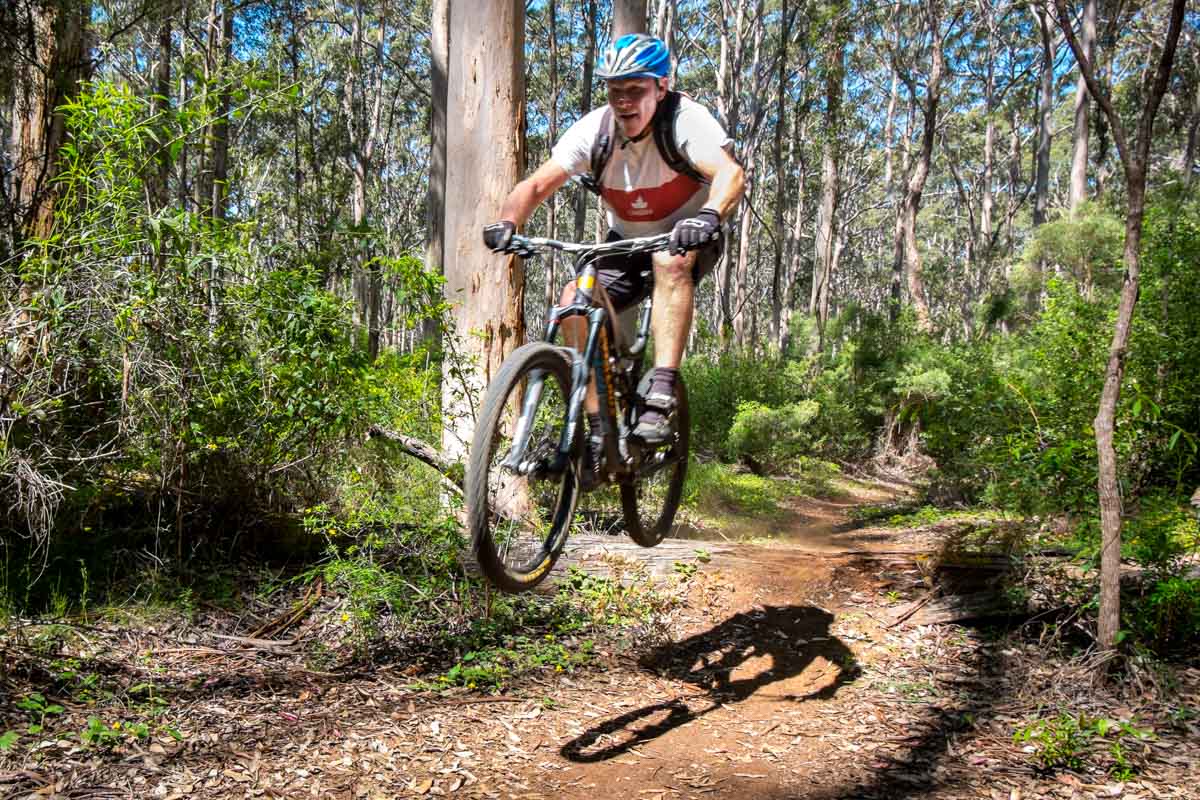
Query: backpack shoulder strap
{"points": [[664, 138], [602, 149]]}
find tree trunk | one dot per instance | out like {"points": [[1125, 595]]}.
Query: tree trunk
{"points": [[365, 89], [1134, 158], [835, 68], [220, 125], [1014, 172], [185, 188], [744, 311], [589, 62], [777, 276], [916, 184], [1079, 151], [1045, 111], [889, 127], [48, 76], [897, 284], [439, 30], [1193, 134], [664, 28], [160, 106], [552, 220], [486, 292], [741, 289], [987, 202], [202, 188], [298, 191], [794, 257], [629, 16]]}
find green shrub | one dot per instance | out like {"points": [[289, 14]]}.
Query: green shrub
{"points": [[192, 385], [1162, 534], [713, 488], [1076, 741], [1167, 617], [718, 386], [1087, 245], [772, 437]]}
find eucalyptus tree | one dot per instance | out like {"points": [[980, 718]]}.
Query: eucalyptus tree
{"points": [[1135, 155], [486, 292], [49, 45], [834, 69]]}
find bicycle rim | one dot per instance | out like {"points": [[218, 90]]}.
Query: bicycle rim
{"points": [[519, 522]]}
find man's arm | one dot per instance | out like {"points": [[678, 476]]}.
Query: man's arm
{"points": [[531, 192], [727, 181]]}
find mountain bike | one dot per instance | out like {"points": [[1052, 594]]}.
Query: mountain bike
{"points": [[523, 475]]}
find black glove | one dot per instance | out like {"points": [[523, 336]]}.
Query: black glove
{"points": [[498, 235], [695, 232]]}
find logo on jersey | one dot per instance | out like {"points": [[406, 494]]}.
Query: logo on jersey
{"points": [[647, 204]]}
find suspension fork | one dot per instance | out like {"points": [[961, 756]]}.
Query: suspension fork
{"points": [[529, 405], [581, 371], [532, 396]]}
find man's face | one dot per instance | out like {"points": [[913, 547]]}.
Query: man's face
{"points": [[633, 102]]}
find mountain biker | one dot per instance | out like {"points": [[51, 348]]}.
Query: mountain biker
{"points": [[644, 195]]}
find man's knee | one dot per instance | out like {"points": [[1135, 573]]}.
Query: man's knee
{"points": [[674, 269], [568, 294]]}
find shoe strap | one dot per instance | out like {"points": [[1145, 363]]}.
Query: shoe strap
{"points": [[660, 401]]}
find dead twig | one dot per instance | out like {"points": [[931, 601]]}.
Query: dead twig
{"points": [[288, 619], [914, 607], [424, 453]]}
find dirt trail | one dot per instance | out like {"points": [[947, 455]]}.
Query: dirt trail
{"points": [[780, 676]]}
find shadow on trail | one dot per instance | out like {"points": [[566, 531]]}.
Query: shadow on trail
{"points": [[981, 689], [724, 661]]}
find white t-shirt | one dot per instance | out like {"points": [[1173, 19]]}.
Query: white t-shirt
{"points": [[643, 195]]}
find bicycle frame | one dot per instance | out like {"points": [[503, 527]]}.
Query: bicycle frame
{"points": [[596, 360]]}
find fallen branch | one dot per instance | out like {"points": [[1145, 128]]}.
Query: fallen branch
{"points": [[424, 453], [268, 645], [914, 607], [290, 618], [966, 607]]}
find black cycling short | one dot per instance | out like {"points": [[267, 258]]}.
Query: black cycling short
{"points": [[628, 278]]}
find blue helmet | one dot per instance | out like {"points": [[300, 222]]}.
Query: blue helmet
{"points": [[635, 55]]}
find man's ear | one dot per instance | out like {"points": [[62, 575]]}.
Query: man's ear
{"points": [[662, 89]]}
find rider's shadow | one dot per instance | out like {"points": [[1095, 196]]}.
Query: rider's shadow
{"points": [[788, 648]]}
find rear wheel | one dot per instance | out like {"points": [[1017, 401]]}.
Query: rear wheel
{"points": [[519, 514], [651, 500]]}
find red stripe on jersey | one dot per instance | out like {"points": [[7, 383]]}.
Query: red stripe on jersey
{"points": [[653, 203]]}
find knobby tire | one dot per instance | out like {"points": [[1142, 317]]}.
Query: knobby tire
{"points": [[645, 522], [493, 534]]}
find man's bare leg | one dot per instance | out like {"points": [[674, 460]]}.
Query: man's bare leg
{"points": [[674, 302], [574, 331]]}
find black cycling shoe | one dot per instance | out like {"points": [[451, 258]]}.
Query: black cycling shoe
{"points": [[654, 425], [593, 457]]}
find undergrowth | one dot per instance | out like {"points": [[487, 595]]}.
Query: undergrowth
{"points": [[1077, 742]]}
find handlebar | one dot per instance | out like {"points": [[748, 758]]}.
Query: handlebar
{"points": [[529, 246]]}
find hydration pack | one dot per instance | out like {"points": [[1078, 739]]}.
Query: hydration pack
{"points": [[663, 130]]}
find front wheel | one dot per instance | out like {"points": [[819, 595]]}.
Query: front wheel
{"points": [[651, 500], [520, 504]]}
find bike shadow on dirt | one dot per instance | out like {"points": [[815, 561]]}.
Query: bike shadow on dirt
{"points": [[731, 662]]}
